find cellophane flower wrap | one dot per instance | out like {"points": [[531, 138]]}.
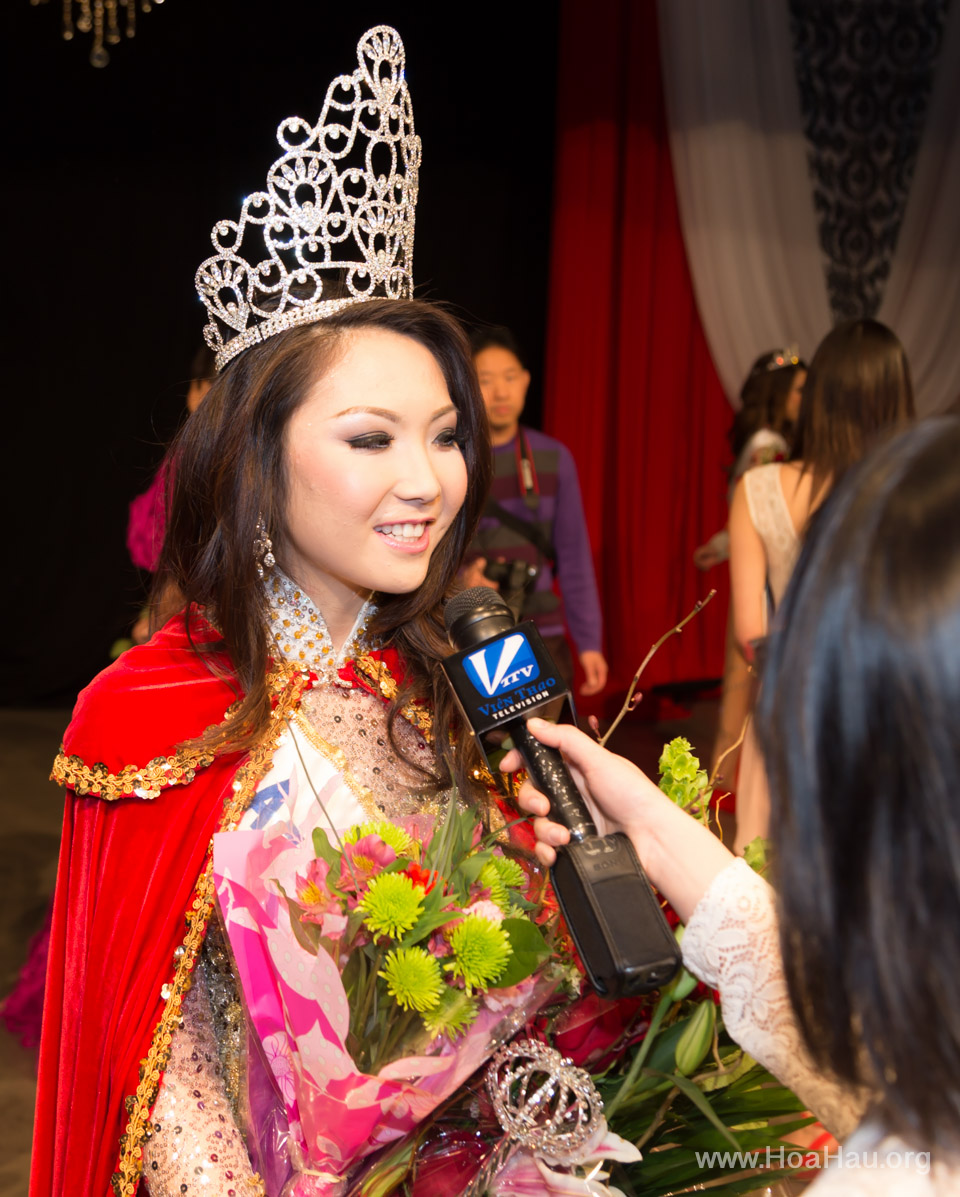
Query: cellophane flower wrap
{"points": [[379, 968]]}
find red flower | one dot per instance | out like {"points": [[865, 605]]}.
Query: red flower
{"points": [[594, 1030], [422, 877]]}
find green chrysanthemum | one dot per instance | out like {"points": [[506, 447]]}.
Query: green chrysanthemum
{"points": [[391, 905], [395, 836], [490, 879], [511, 873], [413, 979], [455, 1011], [481, 949]]}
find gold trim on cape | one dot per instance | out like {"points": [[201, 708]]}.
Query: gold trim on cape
{"points": [[288, 687], [96, 781]]}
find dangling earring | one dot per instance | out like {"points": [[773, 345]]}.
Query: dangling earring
{"points": [[263, 548]]}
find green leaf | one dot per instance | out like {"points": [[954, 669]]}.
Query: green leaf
{"points": [[307, 935], [426, 924], [324, 850], [529, 951], [689, 1089], [467, 872], [720, 1080], [389, 1171], [452, 840], [755, 854]]}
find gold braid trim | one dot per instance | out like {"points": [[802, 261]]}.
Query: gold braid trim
{"points": [[287, 687], [178, 769], [376, 672]]}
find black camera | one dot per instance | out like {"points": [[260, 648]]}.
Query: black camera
{"points": [[516, 580], [512, 575]]}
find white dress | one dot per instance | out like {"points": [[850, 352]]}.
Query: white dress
{"points": [[732, 944], [770, 515]]}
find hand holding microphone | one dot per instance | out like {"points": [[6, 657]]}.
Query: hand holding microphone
{"points": [[502, 674]]}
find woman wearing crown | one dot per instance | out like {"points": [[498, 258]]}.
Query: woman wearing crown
{"points": [[324, 493]]}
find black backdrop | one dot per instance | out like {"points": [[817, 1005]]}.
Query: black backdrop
{"points": [[114, 178]]}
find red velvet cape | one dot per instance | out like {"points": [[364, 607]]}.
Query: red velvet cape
{"points": [[127, 873]]}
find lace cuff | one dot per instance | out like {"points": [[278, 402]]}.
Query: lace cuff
{"points": [[195, 1145], [732, 943]]}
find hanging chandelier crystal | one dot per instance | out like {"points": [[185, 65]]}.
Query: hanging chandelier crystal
{"points": [[102, 18]]}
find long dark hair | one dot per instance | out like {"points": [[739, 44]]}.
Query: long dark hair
{"points": [[228, 469], [763, 400], [857, 720], [858, 384]]}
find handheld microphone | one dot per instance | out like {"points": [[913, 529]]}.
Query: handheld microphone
{"points": [[501, 674]]}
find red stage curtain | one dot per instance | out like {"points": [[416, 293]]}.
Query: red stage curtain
{"points": [[630, 385]]}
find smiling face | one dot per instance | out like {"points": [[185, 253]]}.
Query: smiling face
{"points": [[375, 475]]}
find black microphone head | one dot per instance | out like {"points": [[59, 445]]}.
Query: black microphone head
{"points": [[475, 615]]}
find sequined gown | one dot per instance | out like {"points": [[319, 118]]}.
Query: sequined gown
{"points": [[203, 1126]]}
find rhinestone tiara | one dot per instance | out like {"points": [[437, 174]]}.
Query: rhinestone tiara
{"points": [[335, 224]]}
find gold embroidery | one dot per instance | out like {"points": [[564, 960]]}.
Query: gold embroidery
{"points": [[288, 688], [376, 671], [178, 769]]}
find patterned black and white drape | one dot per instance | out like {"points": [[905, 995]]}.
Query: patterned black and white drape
{"points": [[864, 74], [816, 151]]}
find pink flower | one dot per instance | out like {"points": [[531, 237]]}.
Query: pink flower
{"points": [[439, 945], [277, 1051], [485, 909], [526, 1175], [511, 998], [363, 861], [319, 904]]}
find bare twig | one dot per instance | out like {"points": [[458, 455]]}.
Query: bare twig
{"points": [[723, 755], [628, 701]]}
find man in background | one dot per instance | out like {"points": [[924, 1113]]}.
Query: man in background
{"points": [[533, 530]]}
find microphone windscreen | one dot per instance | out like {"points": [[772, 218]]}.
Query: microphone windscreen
{"points": [[482, 600]]}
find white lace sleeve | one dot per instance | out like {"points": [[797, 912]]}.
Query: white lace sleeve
{"points": [[195, 1146], [732, 943]]}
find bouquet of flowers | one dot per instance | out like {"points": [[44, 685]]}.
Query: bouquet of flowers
{"points": [[670, 1095], [380, 971]]}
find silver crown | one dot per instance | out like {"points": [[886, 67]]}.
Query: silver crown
{"points": [[331, 233]]}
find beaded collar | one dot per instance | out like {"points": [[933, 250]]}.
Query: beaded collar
{"points": [[300, 632]]}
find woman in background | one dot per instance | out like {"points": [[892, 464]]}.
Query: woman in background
{"points": [[858, 386], [762, 432]]}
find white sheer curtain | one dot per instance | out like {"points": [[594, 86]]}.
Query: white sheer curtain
{"points": [[745, 198]]}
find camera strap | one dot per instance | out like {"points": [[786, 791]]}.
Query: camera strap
{"points": [[532, 532], [527, 480], [529, 487]]}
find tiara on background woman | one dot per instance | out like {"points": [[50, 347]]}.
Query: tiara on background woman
{"points": [[326, 233], [784, 357]]}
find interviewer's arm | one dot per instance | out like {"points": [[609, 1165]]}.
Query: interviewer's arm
{"points": [[679, 855]]}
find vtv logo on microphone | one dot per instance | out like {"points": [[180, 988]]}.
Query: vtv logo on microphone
{"points": [[501, 666]]}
